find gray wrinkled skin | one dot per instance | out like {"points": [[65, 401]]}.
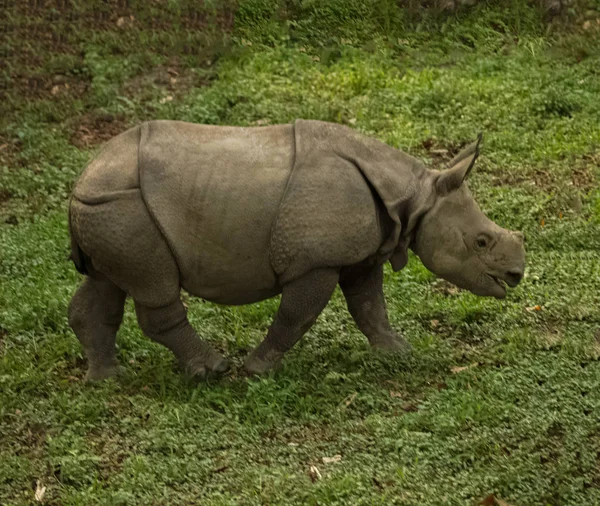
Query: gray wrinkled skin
{"points": [[237, 215]]}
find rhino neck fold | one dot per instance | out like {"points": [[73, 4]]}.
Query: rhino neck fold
{"points": [[421, 202]]}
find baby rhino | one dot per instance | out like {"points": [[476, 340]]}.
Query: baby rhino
{"points": [[237, 215]]}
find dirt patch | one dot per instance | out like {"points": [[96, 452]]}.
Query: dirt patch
{"points": [[542, 178], [444, 287], [172, 80], [583, 177], [39, 86], [508, 179], [118, 14], [93, 129], [29, 436], [9, 150], [441, 153], [112, 451], [4, 196]]}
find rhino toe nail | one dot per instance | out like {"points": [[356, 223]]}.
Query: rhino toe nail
{"points": [[399, 346], [255, 365], [222, 366], [100, 374]]}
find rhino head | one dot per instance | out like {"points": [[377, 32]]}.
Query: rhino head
{"points": [[456, 241]]}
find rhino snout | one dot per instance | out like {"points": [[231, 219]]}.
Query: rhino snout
{"points": [[513, 277], [520, 237]]}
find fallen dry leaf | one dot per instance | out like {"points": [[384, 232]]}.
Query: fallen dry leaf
{"points": [[492, 500], [314, 473], [40, 491], [125, 20], [537, 307], [332, 460], [350, 399], [458, 369], [409, 407]]}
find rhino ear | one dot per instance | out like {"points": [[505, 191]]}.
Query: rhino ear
{"points": [[459, 169]]}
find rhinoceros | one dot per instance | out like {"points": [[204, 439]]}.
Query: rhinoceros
{"points": [[236, 215]]}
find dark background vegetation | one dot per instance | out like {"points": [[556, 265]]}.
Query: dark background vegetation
{"points": [[499, 397]]}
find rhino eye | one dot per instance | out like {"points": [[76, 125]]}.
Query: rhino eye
{"points": [[482, 242]]}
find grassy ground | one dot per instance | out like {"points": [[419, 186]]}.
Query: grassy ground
{"points": [[499, 397]]}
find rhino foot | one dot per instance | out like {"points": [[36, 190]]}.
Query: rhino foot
{"points": [[391, 344], [260, 362], [99, 373], [203, 369]]}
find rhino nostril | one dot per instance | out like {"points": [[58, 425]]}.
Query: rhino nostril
{"points": [[514, 277]]}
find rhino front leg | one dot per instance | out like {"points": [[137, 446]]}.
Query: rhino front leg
{"points": [[362, 286], [169, 326], [302, 301], [95, 314]]}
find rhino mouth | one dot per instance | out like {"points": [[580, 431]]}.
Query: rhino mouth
{"points": [[500, 282]]}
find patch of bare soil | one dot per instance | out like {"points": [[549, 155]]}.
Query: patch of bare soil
{"points": [[30, 437], [543, 179], [172, 79], [112, 451], [4, 196], [9, 149], [582, 174], [444, 287], [152, 14], [93, 129], [40, 86], [439, 152]]}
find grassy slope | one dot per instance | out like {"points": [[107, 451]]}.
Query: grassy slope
{"points": [[521, 421]]}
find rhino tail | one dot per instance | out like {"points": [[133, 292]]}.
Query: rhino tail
{"points": [[77, 255]]}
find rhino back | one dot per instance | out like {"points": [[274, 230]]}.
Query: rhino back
{"points": [[112, 172], [215, 192]]}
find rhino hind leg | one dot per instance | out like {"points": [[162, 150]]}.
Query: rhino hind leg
{"points": [[169, 326], [95, 314], [124, 245], [302, 301], [362, 287]]}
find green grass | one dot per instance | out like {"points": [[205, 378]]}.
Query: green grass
{"points": [[498, 397]]}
